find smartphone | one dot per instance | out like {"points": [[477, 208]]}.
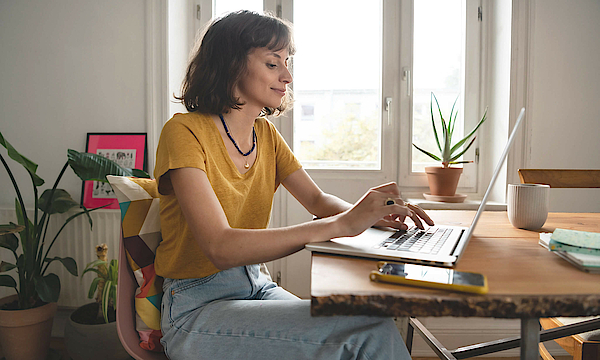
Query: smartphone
{"points": [[430, 277]]}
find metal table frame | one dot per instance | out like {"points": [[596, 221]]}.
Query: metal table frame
{"points": [[528, 341]]}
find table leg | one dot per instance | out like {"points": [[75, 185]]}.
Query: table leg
{"points": [[530, 338], [409, 337]]}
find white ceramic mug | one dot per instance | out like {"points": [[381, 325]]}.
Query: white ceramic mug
{"points": [[528, 205]]}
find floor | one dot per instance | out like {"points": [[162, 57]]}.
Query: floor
{"points": [[58, 352]]}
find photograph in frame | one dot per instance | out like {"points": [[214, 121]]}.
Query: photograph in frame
{"points": [[129, 150]]}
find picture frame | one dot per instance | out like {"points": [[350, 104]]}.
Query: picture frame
{"points": [[130, 150]]}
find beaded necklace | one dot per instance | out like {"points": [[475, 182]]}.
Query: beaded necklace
{"points": [[246, 165]]}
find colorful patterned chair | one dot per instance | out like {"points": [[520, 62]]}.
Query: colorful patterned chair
{"points": [[139, 290]]}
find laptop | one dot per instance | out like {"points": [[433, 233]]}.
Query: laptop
{"points": [[438, 245]]}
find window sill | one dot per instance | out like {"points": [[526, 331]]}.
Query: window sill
{"points": [[466, 205]]}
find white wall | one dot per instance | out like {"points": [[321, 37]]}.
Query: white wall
{"points": [[68, 67], [564, 87]]}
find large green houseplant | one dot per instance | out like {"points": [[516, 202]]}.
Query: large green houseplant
{"points": [[36, 286], [443, 180]]}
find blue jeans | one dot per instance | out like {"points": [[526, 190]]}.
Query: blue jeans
{"points": [[240, 313]]}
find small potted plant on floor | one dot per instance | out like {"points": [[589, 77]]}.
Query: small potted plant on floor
{"points": [[443, 180], [26, 318], [91, 331]]}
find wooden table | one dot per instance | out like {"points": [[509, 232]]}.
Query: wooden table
{"points": [[525, 280]]}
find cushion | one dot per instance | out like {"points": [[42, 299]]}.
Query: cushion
{"points": [[140, 224]]}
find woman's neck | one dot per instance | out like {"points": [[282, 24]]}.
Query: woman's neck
{"points": [[240, 124]]}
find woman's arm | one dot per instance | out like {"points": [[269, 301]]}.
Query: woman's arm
{"points": [[322, 205], [227, 247], [318, 203]]}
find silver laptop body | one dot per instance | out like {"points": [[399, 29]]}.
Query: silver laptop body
{"points": [[438, 245]]}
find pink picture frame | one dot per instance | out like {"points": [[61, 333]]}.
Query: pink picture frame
{"points": [[130, 150]]}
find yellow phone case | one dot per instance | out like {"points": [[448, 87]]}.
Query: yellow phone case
{"points": [[396, 279]]}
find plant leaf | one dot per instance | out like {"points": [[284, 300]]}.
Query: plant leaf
{"points": [[433, 123], [464, 150], [450, 122], [5, 266], [47, 287], [9, 241], [434, 157], [95, 167], [29, 165], [100, 275], [446, 138], [454, 122], [105, 300], [140, 173], [68, 262], [8, 281], [11, 228], [61, 202], [29, 242], [460, 143], [92, 265], [93, 287], [113, 270], [460, 162]]}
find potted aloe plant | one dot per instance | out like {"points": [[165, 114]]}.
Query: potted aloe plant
{"points": [[91, 331], [443, 180], [37, 289]]}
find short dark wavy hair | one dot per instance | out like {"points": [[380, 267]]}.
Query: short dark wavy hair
{"points": [[222, 57]]}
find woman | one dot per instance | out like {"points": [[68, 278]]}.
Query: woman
{"points": [[218, 167]]}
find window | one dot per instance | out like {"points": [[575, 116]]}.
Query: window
{"points": [[438, 58], [308, 112], [337, 71], [369, 72], [363, 75], [440, 53], [223, 6]]}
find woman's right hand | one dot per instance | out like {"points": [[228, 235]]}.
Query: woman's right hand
{"points": [[373, 209]]}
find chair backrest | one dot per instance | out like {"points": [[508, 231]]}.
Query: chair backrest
{"points": [[139, 289], [561, 178], [126, 287]]}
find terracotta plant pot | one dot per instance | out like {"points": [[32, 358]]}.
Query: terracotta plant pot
{"points": [[92, 341], [443, 181], [25, 334]]}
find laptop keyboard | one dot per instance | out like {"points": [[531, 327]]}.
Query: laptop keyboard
{"points": [[428, 241]]}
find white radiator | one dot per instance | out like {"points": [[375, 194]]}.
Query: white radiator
{"points": [[76, 241]]}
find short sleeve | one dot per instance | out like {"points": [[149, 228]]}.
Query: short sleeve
{"points": [[287, 163], [178, 147]]}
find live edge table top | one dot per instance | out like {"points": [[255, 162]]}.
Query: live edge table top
{"points": [[525, 280]]}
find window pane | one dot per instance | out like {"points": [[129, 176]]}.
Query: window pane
{"points": [[337, 67], [223, 6], [438, 67]]}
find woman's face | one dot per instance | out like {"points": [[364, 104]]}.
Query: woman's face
{"points": [[265, 82]]}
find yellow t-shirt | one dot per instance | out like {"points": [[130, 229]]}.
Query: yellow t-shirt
{"points": [[193, 140]]}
